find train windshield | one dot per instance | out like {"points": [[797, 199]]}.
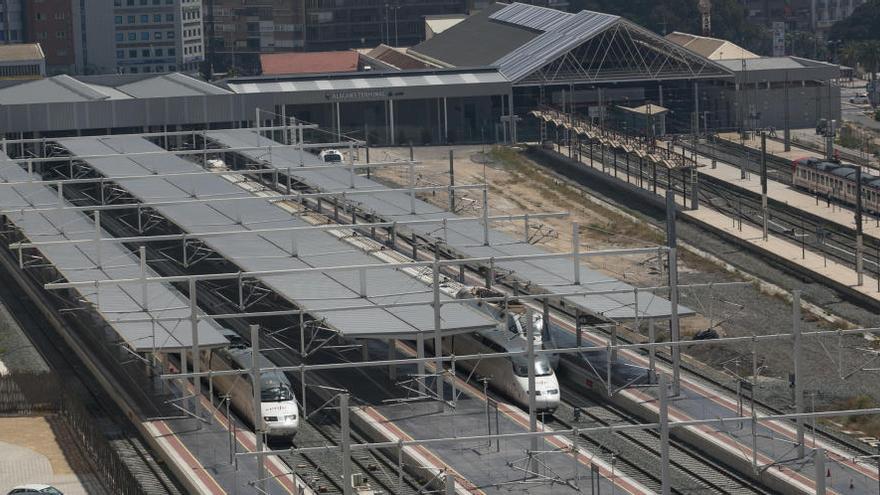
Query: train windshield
{"points": [[542, 366], [333, 157], [274, 389]]}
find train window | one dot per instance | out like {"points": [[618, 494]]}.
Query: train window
{"points": [[273, 388], [521, 368]]}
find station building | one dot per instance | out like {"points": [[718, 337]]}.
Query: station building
{"points": [[481, 78]]}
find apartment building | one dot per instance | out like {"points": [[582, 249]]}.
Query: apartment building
{"points": [[11, 17]]}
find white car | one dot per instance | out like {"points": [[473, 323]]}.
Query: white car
{"points": [[35, 488], [859, 99]]}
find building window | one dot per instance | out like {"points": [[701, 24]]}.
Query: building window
{"points": [[120, 53], [132, 36], [131, 19], [157, 35], [145, 52], [145, 19], [118, 19], [157, 17], [170, 35], [145, 36], [120, 37], [132, 54], [171, 53], [169, 17], [159, 52]]}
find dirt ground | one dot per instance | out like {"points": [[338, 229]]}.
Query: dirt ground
{"points": [[838, 370]]}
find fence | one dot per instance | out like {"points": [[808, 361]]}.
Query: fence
{"points": [[45, 393]]}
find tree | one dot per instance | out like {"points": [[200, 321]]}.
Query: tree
{"points": [[665, 16], [862, 25], [863, 53]]}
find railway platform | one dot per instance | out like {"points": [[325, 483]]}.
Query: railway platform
{"points": [[559, 463], [201, 452], [784, 193], [779, 247]]}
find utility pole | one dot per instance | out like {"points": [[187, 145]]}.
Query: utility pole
{"points": [[764, 210], [798, 375], [258, 408], [787, 127], [662, 393], [672, 260], [859, 240], [451, 182]]}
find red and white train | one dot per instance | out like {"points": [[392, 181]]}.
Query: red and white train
{"points": [[836, 181]]}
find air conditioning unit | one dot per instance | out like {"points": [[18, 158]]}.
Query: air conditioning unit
{"points": [[361, 485]]}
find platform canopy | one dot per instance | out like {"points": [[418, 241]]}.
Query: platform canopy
{"points": [[127, 309], [548, 275], [339, 299]]}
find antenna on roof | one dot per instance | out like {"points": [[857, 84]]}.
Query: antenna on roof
{"points": [[705, 8]]}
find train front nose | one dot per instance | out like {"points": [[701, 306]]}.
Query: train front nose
{"points": [[548, 401]]}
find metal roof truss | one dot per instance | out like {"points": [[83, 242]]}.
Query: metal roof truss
{"points": [[624, 52]]}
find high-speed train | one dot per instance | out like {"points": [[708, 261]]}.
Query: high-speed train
{"points": [[278, 403], [508, 375]]}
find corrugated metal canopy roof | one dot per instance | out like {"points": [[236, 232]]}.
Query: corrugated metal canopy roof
{"points": [[530, 16], [78, 262], [314, 291], [553, 275], [368, 83], [562, 37], [64, 88]]}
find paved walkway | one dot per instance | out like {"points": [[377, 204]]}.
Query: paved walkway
{"points": [[40, 450]]}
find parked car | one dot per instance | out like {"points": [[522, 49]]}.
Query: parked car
{"points": [[34, 489], [859, 99]]}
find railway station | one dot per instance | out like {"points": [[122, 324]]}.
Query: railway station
{"points": [[489, 72], [420, 340]]}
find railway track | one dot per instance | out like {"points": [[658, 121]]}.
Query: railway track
{"points": [[690, 471]]}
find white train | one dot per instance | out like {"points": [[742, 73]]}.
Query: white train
{"points": [[508, 375], [279, 407], [330, 156]]}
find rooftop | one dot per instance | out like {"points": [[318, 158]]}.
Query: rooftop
{"points": [[477, 41], [538, 45], [21, 52], [396, 58], [309, 62], [436, 24], [711, 48], [64, 88]]}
